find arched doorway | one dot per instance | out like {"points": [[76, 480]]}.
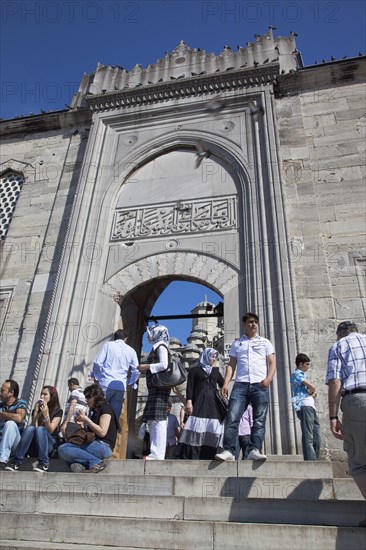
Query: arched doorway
{"points": [[164, 220]]}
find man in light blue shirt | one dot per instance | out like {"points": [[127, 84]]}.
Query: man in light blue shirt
{"points": [[111, 367]]}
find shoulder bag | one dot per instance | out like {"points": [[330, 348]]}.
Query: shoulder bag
{"points": [[174, 375]]}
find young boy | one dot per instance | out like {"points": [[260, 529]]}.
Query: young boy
{"points": [[304, 405]]}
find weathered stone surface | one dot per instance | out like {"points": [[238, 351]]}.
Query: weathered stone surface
{"points": [[297, 182]]}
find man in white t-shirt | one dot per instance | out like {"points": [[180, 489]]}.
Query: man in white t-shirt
{"points": [[254, 358]]}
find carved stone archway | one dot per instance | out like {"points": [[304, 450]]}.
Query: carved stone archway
{"points": [[149, 277]]}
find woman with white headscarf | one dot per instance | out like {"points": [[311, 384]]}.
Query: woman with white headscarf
{"points": [[203, 432], [156, 408]]}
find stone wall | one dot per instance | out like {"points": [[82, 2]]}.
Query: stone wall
{"points": [[321, 128], [50, 159], [319, 124]]}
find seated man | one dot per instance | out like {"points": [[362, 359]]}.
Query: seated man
{"points": [[12, 420]]}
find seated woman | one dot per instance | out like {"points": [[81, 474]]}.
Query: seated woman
{"points": [[155, 412], [40, 437], [203, 431], [89, 457]]}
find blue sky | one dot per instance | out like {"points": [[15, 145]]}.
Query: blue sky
{"points": [[47, 45], [174, 301]]}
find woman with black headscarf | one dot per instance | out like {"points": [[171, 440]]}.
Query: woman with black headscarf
{"points": [[203, 432]]}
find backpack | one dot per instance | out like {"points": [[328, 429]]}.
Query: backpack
{"points": [[174, 375]]}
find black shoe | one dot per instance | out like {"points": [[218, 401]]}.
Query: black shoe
{"points": [[2, 465], [13, 467], [41, 467]]}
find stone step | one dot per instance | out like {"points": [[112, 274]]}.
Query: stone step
{"points": [[45, 485], [256, 510], [173, 534], [37, 545], [271, 468]]}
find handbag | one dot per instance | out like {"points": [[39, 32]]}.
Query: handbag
{"points": [[80, 437], [174, 375], [222, 404]]}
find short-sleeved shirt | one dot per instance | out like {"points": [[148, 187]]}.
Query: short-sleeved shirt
{"points": [[111, 435], [57, 414], [251, 356], [81, 405], [347, 362], [18, 404], [300, 398]]}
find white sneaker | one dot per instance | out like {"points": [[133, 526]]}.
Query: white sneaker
{"points": [[256, 455], [225, 455]]}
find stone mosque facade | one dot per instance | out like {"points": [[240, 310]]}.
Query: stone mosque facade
{"points": [[242, 171]]}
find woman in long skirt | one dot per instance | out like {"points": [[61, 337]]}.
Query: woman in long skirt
{"points": [[203, 432]]}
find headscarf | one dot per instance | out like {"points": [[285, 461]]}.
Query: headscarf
{"points": [[204, 360], [158, 334]]}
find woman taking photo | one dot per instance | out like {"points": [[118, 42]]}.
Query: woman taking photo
{"points": [[40, 437], [102, 422], [155, 412], [203, 431]]}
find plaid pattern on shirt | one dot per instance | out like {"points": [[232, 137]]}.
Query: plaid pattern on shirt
{"points": [[347, 362]]}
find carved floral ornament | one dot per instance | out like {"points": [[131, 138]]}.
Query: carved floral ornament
{"points": [[175, 218]]}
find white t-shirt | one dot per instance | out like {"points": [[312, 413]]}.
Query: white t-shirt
{"points": [[251, 356]]}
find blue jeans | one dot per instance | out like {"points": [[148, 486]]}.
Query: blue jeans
{"points": [[9, 440], [38, 441], [242, 444], [115, 398], [310, 428], [88, 455], [242, 394]]}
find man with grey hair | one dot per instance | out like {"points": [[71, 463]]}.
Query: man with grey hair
{"points": [[346, 380]]}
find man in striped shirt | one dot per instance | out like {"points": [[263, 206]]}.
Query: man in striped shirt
{"points": [[346, 379]]}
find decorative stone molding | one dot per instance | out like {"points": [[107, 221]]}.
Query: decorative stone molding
{"points": [[175, 218], [24, 168], [220, 82], [185, 62], [6, 294], [188, 265]]}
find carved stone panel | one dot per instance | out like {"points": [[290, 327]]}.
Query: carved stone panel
{"points": [[175, 218]]}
